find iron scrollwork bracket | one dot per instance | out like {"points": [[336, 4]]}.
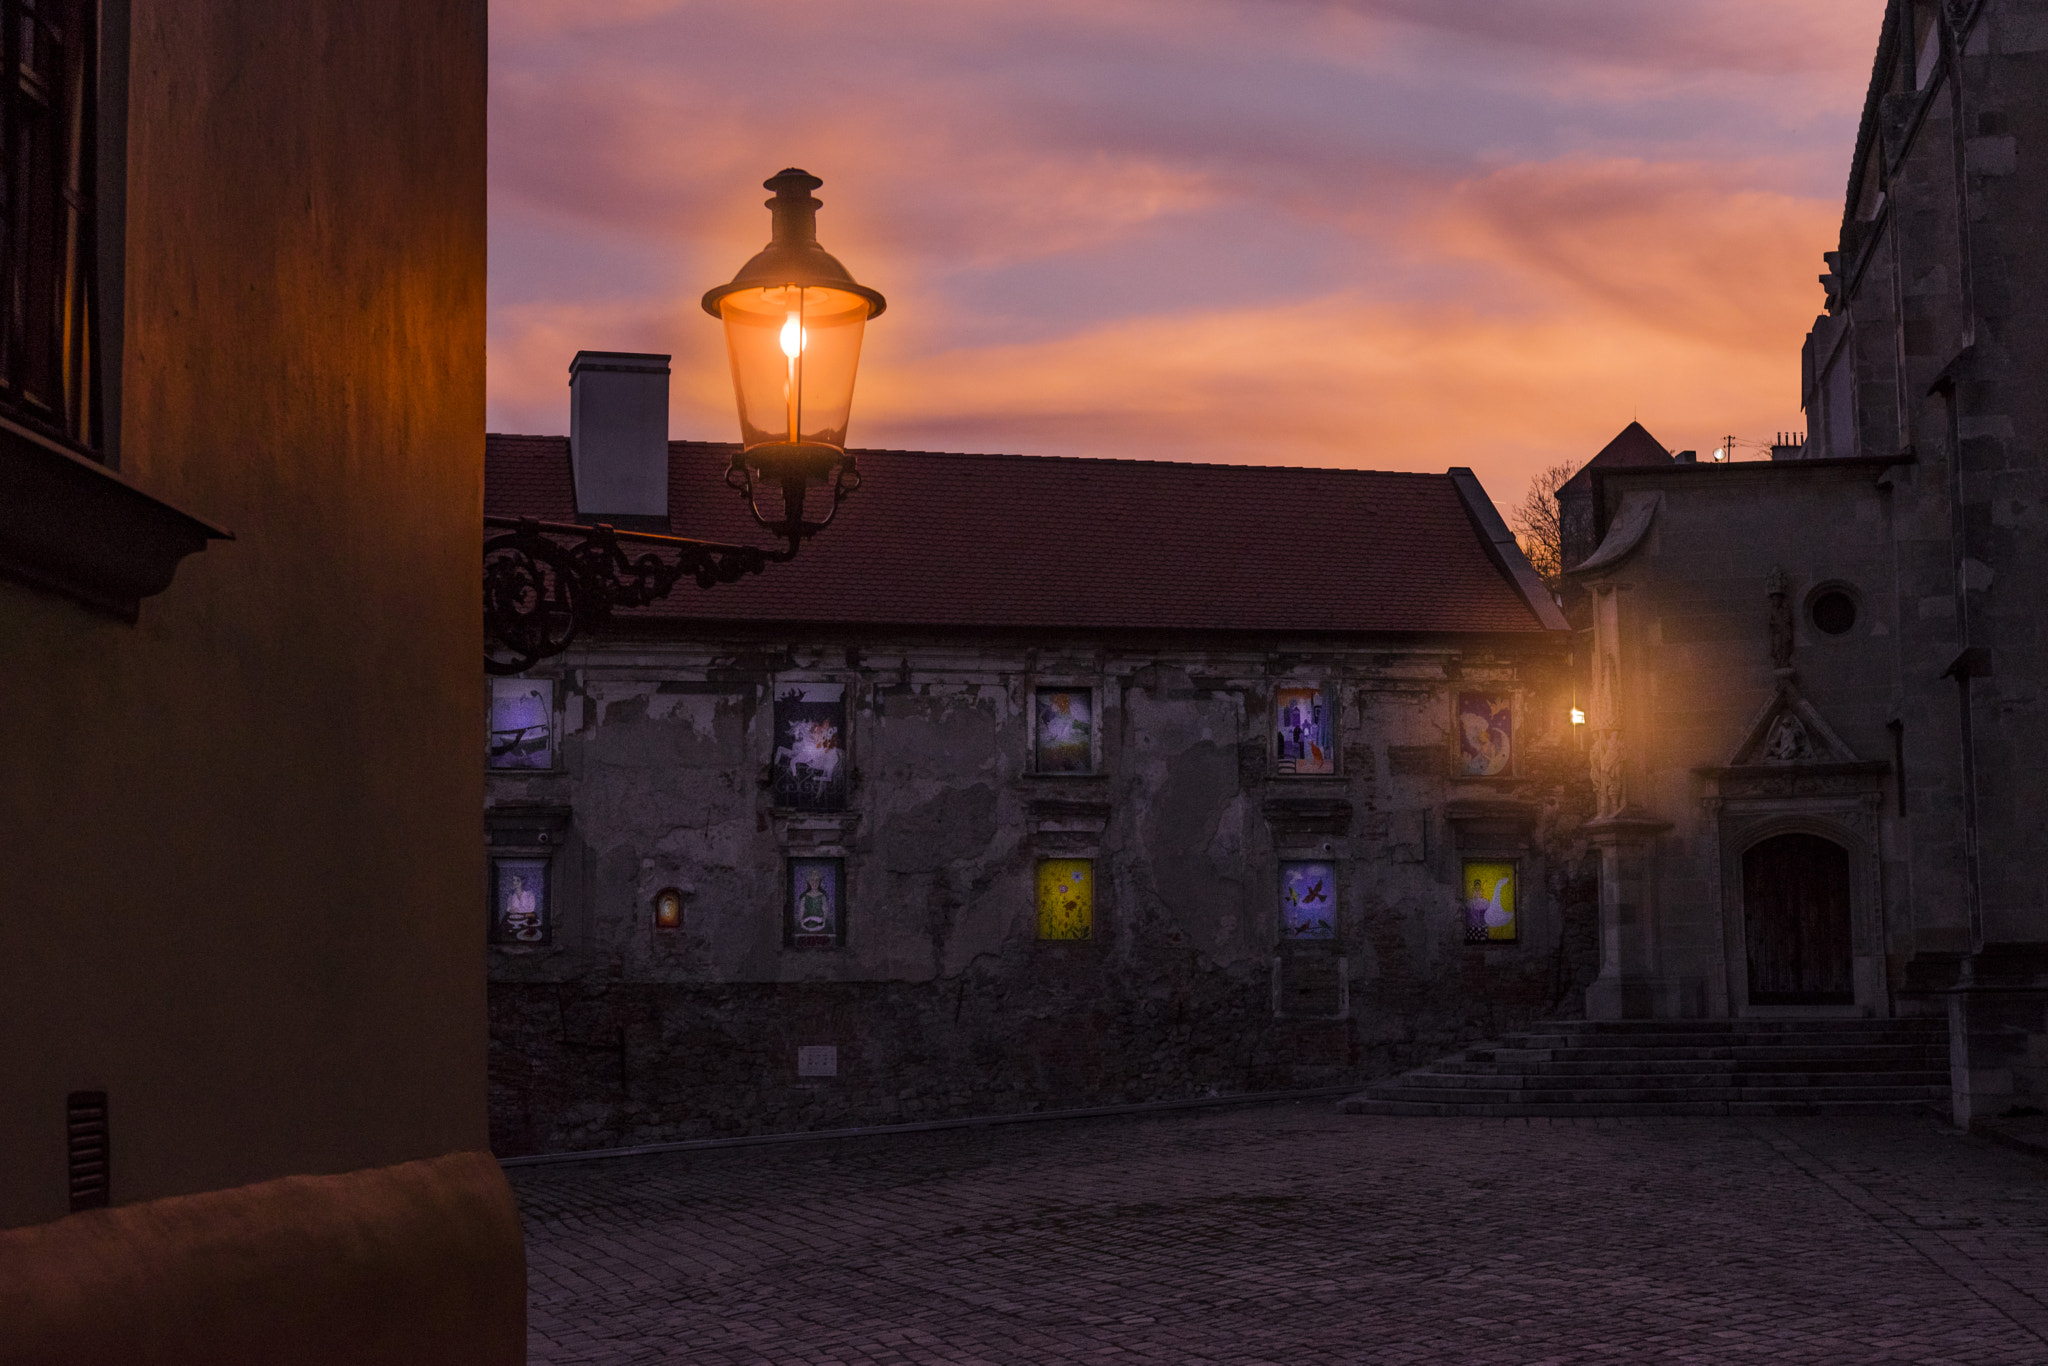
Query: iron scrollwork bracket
{"points": [[545, 583]]}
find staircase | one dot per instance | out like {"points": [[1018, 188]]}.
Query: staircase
{"points": [[1682, 1067]]}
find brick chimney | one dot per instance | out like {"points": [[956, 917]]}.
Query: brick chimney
{"points": [[618, 435]]}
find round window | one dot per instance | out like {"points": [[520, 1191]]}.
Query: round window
{"points": [[1834, 611]]}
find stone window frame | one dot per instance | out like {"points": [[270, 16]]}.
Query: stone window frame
{"points": [[1499, 829], [1848, 590], [1332, 686], [1058, 682], [1288, 956], [530, 831], [557, 712]]}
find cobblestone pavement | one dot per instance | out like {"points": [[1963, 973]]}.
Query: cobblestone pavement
{"points": [[1291, 1234]]}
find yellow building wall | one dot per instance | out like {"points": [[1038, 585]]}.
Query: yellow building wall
{"points": [[240, 868]]}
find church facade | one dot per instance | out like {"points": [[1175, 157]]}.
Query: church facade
{"points": [[1819, 734]]}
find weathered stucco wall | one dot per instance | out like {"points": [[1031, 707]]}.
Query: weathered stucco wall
{"points": [[239, 836], [943, 1000]]}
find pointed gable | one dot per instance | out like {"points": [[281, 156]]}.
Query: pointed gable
{"points": [[1632, 447], [1790, 731]]}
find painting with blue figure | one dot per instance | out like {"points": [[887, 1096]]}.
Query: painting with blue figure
{"points": [[1308, 901], [522, 723]]}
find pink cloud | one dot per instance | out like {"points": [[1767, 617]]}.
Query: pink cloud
{"points": [[1408, 233]]}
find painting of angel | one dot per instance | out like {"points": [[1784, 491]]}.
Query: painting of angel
{"points": [[809, 766], [1065, 730], [1486, 731]]}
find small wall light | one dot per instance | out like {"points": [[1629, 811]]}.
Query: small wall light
{"points": [[668, 909], [1578, 717]]}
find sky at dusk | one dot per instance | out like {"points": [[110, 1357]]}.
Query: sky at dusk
{"points": [[1385, 234]]}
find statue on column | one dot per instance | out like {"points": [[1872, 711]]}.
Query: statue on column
{"points": [[1607, 752], [1781, 620]]}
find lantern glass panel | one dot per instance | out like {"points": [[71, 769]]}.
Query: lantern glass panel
{"points": [[794, 351]]}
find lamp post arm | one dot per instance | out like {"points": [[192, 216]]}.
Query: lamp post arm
{"points": [[545, 583]]}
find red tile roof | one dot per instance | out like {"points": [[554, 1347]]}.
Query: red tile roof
{"points": [[1048, 542]]}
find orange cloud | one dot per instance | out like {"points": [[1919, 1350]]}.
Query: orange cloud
{"points": [[1396, 233]]}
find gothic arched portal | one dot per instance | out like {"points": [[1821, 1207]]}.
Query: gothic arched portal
{"points": [[1795, 904]]}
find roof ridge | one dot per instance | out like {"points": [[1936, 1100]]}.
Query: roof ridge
{"points": [[1142, 462]]}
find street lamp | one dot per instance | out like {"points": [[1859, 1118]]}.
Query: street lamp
{"points": [[793, 322]]}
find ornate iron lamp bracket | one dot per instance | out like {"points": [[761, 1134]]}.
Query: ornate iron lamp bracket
{"points": [[545, 583]]}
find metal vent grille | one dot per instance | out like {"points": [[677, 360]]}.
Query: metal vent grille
{"points": [[85, 1127]]}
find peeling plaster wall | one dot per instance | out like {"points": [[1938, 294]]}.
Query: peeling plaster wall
{"points": [[943, 1001]]}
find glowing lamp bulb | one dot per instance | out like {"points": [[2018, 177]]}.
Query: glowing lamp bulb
{"points": [[1578, 717], [793, 338]]}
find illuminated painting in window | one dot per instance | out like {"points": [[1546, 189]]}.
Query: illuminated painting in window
{"points": [[668, 909], [520, 913], [810, 746], [1308, 901], [817, 918], [1066, 898], [1489, 901], [1486, 731], [1302, 732], [522, 723], [1066, 730]]}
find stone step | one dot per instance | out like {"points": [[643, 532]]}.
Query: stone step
{"points": [[1487, 1052], [1680, 1067], [1361, 1105], [1933, 1024], [1706, 1067], [1652, 1095], [1438, 1077]]}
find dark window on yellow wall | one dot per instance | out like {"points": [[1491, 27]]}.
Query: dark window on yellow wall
{"points": [[49, 296]]}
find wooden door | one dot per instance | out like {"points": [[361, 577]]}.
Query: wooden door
{"points": [[1795, 910]]}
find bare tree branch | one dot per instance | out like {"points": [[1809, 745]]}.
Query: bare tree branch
{"points": [[1536, 527]]}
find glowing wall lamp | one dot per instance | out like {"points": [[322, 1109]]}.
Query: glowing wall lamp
{"points": [[793, 322]]}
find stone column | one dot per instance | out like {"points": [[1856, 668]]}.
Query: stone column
{"points": [[1998, 1033], [1629, 986]]}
